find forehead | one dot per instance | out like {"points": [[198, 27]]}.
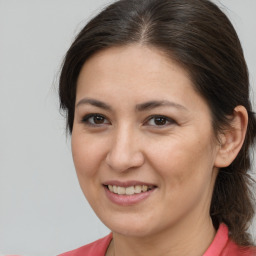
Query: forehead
{"points": [[132, 64]]}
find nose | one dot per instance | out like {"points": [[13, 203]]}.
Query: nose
{"points": [[125, 152]]}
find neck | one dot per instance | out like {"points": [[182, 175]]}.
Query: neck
{"points": [[188, 239]]}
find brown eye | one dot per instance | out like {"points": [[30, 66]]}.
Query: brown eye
{"points": [[98, 119], [95, 120], [160, 121]]}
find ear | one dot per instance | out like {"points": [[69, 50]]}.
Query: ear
{"points": [[232, 139]]}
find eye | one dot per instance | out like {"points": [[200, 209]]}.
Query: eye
{"points": [[95, 120], [159, 121]]}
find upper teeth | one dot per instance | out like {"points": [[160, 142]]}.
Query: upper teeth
{"points": [[128, 190]]}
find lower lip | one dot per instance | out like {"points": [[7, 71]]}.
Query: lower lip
{"points": [[126, 200]]}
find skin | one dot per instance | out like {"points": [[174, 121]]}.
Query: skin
{"points": [[179, 155]]}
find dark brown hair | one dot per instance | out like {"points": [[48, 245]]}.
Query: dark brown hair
{"points": [[199, 36]]}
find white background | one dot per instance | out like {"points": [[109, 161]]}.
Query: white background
{"points": [[42, 210]]}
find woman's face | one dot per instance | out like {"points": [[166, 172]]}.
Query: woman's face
{"points": [[142, 142]]}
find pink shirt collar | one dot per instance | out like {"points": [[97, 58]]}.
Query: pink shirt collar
{"points": [[219, 242]]}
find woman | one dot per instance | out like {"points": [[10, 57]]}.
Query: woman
{"points": [[157, 100]]}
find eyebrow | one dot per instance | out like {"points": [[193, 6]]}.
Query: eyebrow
{"points": [[140, 107], [158, 103], [94, 102]]}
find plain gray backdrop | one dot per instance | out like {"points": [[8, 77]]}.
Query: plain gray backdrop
{"points": [[42, 210]]}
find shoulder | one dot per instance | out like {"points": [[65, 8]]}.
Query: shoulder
{"points": [[233, 249], [222, 245], [97, 248]]}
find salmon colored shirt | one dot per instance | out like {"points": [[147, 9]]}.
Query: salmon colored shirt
{"points": [[222, 245]]}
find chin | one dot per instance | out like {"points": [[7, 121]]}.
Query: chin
{"points": [[132, 231], [133, 227]]}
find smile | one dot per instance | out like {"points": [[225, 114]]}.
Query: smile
{"points": [[131, 190], [128, 193]]}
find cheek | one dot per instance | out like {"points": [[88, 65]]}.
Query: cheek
{"points": [[186, 176], [185, 161], [86, 155], [87, 158]]}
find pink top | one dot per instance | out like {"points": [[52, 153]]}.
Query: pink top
{"points": [[222, 245]]}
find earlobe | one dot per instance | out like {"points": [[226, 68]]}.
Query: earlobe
{"points": [[232, 139]]}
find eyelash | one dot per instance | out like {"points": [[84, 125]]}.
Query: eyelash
{"points": [[86, 119], [167, 121]]}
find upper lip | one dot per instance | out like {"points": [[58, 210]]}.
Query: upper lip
{"points": [[127, 183]]}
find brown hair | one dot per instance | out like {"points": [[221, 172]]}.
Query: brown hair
{"points": [[199, 36]]}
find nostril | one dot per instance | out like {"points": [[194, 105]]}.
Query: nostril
{"points": [[123, 161]]}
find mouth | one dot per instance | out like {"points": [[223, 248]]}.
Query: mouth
{"points": [[128, 193], [131, 190]]}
